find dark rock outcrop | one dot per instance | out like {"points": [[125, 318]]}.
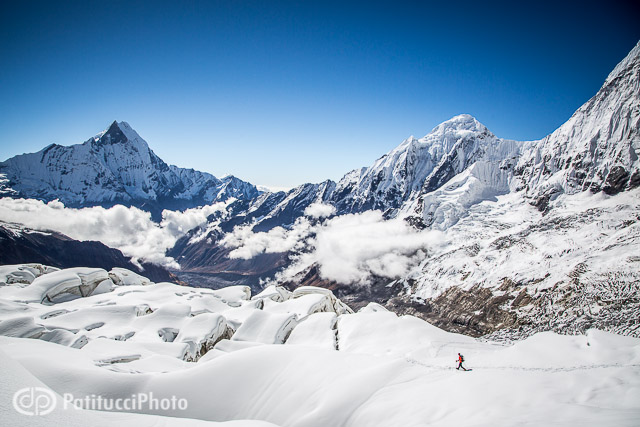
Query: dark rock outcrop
{"points": [[57, 250]]}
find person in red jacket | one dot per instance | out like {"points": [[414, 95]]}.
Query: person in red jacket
{"points": [[460, 360]]}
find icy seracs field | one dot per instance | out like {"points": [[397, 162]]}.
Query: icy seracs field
{"points": [[288, 359]]}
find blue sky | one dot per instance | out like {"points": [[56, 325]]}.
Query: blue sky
{"points": [[282, 93]]}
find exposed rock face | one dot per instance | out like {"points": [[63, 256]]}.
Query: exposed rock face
{"points": [[608, 302], [474, 312]]}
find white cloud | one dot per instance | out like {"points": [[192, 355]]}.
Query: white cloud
{"points": [[178, 223], [348, 248], [273, 188], [319, 210], [248, 244], [129, 229]]}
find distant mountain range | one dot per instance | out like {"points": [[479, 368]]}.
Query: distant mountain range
{"points": [[440, 181], [547, 237], [595, 150], [115, 167]]}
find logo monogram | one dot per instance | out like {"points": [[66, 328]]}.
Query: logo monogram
{"points": [[34, 401]]}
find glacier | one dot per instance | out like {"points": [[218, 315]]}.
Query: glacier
{"points": [[294, 359]]}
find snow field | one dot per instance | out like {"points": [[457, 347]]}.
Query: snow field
{"points": [[222, 351]]}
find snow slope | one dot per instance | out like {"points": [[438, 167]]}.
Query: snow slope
{"points": [[370, 368], [509, 238], [16, 377]]}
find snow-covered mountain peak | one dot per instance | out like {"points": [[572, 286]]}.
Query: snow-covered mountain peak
{"points": [[119, 133], [401, 174], [441, 139], [597, 148], [466, 164], [115, 166], [632, 60], [460, 122], [449, 136]]}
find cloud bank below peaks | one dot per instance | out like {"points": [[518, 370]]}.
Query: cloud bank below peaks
{"points": [[248, 244], [319, 210], [348, 249], [128, 229]]}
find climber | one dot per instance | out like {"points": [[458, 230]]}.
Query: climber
{"points": [[460, 360]]}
